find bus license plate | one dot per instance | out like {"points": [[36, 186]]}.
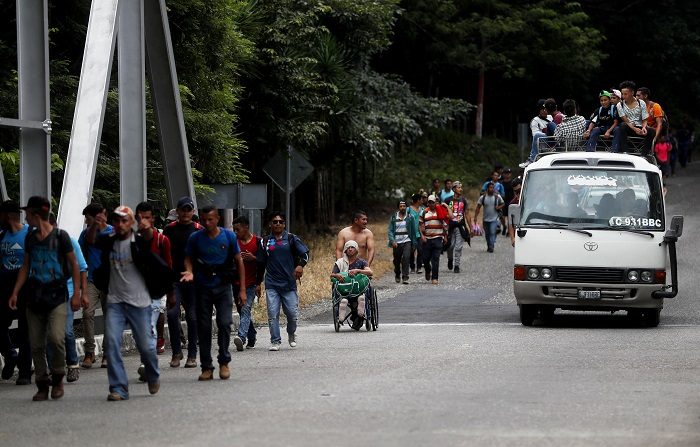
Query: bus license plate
{"points": [[589, 294]]}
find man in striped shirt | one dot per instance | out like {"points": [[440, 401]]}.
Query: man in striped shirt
{"points": [[433, 231]]}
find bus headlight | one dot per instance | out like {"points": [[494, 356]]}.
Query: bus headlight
{"points": [[633, 275], [546, 273], [533, 273], [646, 276]]}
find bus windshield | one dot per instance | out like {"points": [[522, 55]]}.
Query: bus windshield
{"points": [[593, 199]]}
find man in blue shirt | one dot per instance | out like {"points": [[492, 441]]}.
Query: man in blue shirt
{"points": [[281, 257], [12, 235], [96, 221], [212, 257]]}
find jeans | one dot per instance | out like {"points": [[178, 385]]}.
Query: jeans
{"points": [[534, 149], [454, 250], [156, 307], [96, 298], [595, 135], [289, 300], [491, 231], [432, 248], [7, 315], [185, 296], [71, 350], [48, 327], [402, 253], [246, 329], [209, 298], [139, 319]]}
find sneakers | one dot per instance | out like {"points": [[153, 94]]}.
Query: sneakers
{"points": [[397, 279], [456, 270], [251, 344], [9, 369], [405, 281], [293, 340], [154, 387], [490, 249], [275, 347], [88, 360], [115, 397], [142, 373], [207, 374], [505, 230], [525, 164], [160, 345], [449, 264], [418, 271], [224, 372], [434, 282], [104, 362], [238, 341], [427, 275], [73, 373], [191, 362], [175, 361]]}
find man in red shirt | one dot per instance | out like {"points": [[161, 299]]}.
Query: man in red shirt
{"points": [[248, 243]]}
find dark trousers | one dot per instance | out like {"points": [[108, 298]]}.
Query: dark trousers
{"points": [[21, 335], [185, 296], [209, 298], [432, 248], [416, 257], [402, 253], [625, 132]]}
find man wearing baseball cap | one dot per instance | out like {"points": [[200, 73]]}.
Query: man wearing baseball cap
{"points": [[48, 261], [128, 276], [179, 232]]}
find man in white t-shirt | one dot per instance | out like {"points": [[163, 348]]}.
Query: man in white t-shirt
{"points": [[540, 126], [633, 113]]}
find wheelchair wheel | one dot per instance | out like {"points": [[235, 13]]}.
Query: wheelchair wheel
{"points": [[375, 311], [336, 323]]}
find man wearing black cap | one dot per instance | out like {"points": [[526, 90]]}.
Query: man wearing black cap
{"points": [[48, 261], [12, 235], [179, 232], [96, 222]]}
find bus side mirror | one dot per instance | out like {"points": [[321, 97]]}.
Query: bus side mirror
{"points": [[675, 229], [514, 214]]}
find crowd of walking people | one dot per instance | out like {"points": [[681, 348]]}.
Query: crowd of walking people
{"points": [[441, 222], [136, 274]]}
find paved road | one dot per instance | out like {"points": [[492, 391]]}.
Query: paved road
{"points": [[449, 365]]}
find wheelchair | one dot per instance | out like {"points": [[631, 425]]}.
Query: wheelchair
{"points": [[371, 309]]}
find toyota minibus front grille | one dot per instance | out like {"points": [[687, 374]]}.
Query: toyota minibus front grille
{"points": [[589, 275]]}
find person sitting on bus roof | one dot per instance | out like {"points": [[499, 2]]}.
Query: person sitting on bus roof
{"points": [[571, 129], [604, 121], [540, 126]]}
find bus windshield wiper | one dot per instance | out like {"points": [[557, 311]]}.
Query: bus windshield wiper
{"points": [[558, 226], [629, 230]]}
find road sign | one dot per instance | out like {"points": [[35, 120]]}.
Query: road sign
{"points": [[299, 169], [238, 196]]}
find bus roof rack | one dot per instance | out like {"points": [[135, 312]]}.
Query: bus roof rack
{"points": [[553, 145]]}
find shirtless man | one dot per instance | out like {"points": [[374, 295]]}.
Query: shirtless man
{"points": [[359, 233]]}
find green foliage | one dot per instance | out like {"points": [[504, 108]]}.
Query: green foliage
{"points": [[443, 153]]}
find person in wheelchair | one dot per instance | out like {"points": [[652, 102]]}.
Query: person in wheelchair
{"points": [[351, 266]]}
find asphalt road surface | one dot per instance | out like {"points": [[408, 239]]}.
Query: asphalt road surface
{"points": [[449, 365]]}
